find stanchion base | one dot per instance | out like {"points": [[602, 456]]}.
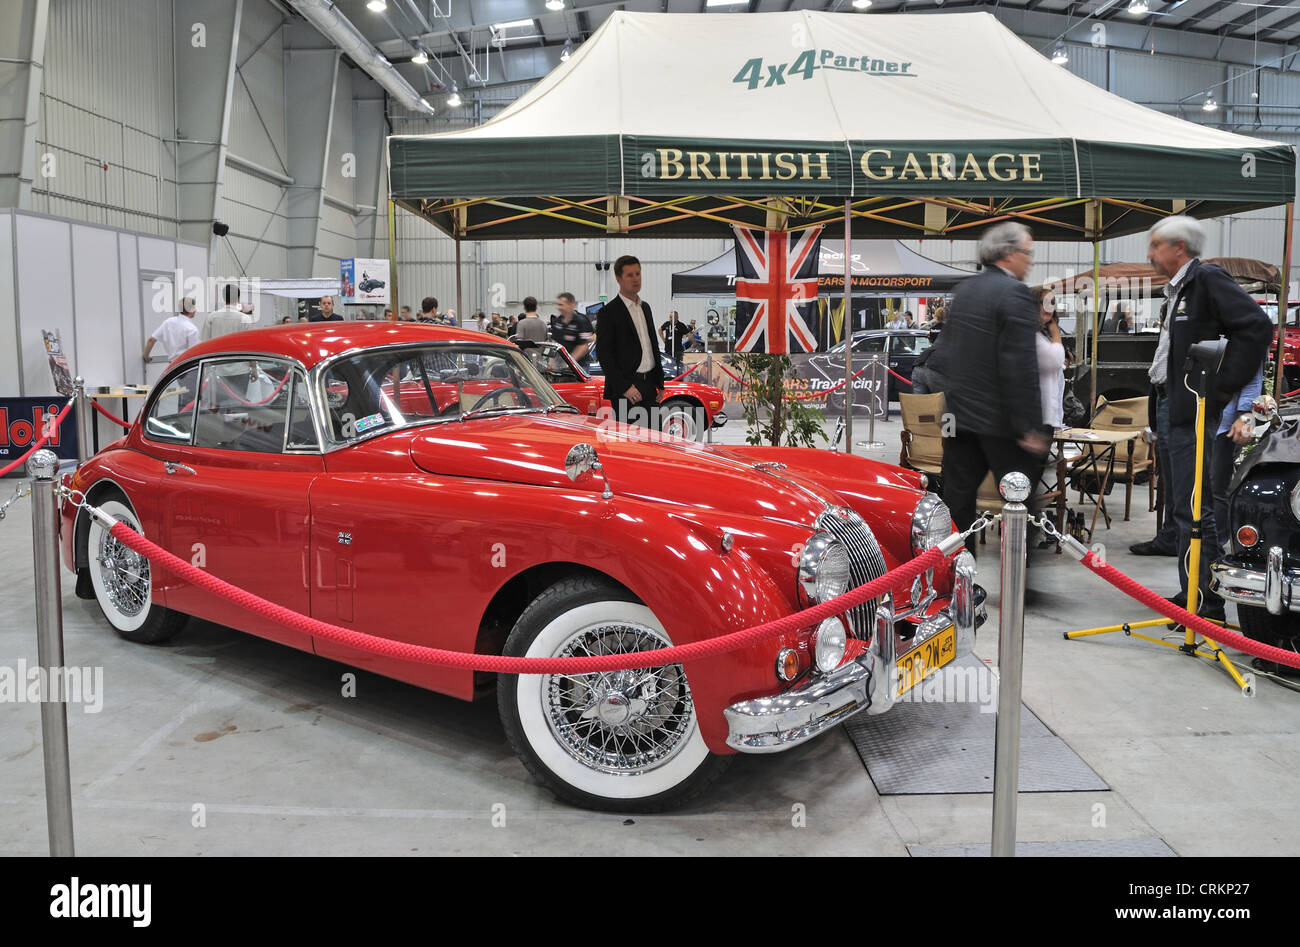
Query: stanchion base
{"points": [[870, 445]]}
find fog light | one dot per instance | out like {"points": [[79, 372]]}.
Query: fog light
{"points": [[829, 642], [1247, 536], [787, 664]]}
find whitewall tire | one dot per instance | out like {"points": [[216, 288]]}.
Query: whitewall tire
{"points": [[625, 741], [123, 582]]}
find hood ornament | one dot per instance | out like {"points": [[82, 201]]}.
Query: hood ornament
{"points": [[580, 461]]}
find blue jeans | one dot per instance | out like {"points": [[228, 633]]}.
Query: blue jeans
{"points": [[1167, 536], [1182, 473]]}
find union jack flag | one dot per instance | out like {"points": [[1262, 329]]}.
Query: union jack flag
{"points": [[776, 290]]}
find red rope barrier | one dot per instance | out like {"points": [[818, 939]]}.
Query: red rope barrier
{"points": [[256, 404], [386, 647], [48, 432], [685, 373], [1206, 628], [105, 412], [906, 381]]}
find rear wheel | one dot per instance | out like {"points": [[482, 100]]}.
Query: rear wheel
{"points": [[123, 582], [623, 741], [682, 419]]}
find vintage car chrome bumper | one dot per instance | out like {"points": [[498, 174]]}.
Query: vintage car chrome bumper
{"points": [[1277, 588], [772, 724], [719, 419]]}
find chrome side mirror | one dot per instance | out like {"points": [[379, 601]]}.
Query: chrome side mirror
{"points": [[580, 461]]}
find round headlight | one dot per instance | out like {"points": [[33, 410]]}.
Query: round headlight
{"points": [[829, 642], [1295, 500], [823, 568], [931, 523]]}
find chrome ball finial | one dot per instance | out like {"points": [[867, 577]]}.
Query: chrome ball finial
{"points": [[43, 464], [1014, 487]]}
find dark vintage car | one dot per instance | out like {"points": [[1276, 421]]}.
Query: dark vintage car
{"points": [[1259, 567], [900, 348]]}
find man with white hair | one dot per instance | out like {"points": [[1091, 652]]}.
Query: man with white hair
{"points": [[1202, 302], [989, 362]]}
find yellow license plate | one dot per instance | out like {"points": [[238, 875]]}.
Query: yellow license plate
{"points": [[919, 663]]}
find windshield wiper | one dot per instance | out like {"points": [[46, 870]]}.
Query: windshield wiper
{"points": [[490, 410]]}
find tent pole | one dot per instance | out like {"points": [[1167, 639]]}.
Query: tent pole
{"points": [[1096, 306], [1283, 300], [848, 328], [392, 258], [460, 310]]}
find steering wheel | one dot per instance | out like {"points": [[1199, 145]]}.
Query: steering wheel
{"points": [[497, 393]]}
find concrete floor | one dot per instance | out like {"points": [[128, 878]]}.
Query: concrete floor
{"points": [[255, 741]]}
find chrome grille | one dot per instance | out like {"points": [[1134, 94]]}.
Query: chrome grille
{"points": [[865, 562]]}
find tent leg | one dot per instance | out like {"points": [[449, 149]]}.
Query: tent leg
{"points": [[848, 327], [392, 259], [1283, 300], [460, 310], [1096, 307]]}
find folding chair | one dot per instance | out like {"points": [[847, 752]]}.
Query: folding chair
{"points": [[922, 433]]}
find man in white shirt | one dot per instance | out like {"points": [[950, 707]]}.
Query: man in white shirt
{"points": [[229, 318], [177, 333], [634, 374]]}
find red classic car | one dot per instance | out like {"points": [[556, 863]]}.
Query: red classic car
{"points": [[428, 485], [688, 409]]}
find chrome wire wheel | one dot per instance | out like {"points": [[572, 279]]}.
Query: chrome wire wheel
{"points": [[126, 575], [619, 722]]}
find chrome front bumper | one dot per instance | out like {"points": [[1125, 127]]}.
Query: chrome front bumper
{"points": [[1276, 588], [772, 724]]}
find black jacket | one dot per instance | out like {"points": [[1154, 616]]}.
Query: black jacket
{"points": [[619, 350], [987, 357], [1208, 305]]}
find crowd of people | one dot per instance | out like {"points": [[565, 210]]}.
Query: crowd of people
{"points": [[1000, 362]]}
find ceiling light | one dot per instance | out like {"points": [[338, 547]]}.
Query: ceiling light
{"points": [[378, 6], [453, 100], [1210, 105], [555, 5], [861, 4], [420, 57], [1138, 8], [1060, 57], [512, 23]]}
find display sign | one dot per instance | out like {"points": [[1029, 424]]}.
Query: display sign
{"points": [[59, 370], [363, 281], [21, 423]]}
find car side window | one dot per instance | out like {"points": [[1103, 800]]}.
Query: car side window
{"points": [[302, 433], [869, 345], [243, 405], [171, 418]]}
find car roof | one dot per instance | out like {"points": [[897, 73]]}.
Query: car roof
{"points": [[314, 342]]}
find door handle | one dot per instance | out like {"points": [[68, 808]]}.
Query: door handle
{"points": [[171, 467]]}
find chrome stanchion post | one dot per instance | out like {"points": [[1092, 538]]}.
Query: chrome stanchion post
{"points": [[871, 443], [1011, 639], [84, 419], [708, 361], [43, 467]]}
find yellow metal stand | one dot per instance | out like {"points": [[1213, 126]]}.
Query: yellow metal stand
{"points": [[1203, 647]]}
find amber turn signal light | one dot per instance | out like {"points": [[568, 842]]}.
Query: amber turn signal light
{"points": [[1248, 536], [787, 664]]}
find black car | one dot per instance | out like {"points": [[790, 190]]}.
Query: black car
{"points": [[369, 285], [900, 348], [672, 367], [1259, 566]]}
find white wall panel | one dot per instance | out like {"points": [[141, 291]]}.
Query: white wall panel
{"points": [[157, 254], [97, 306], [133, 335], [10, 378], [43, 277]]}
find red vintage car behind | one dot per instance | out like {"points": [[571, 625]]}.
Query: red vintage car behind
{"points": [[688, 409], [428, 485]]}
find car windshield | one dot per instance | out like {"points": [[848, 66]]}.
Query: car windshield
{"points": [[393, 387]]}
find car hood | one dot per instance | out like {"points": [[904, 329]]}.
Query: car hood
{"points": [[663, 469]]}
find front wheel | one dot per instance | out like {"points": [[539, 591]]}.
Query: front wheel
{"points": [[1280, 631], [683, 419], [622, 741], [123, 582]]}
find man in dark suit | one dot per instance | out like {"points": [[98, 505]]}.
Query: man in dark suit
{"points": [[1202, 302], [626, 349], [988, 360]]}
